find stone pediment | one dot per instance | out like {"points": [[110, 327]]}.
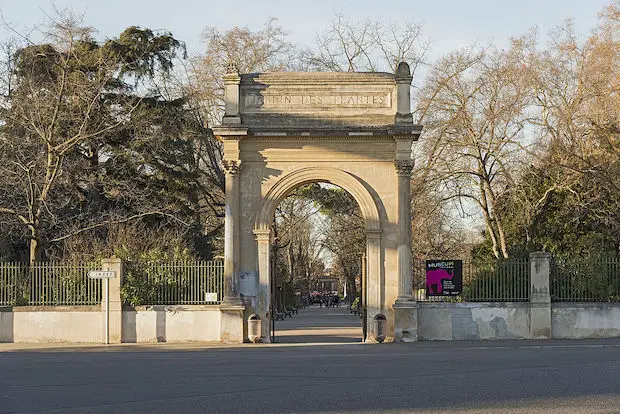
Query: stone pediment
{"points": [[318, 103]]}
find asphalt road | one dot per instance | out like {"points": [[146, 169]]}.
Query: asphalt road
{"points": [[471, 377]]}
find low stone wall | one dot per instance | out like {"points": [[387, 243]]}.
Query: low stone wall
{"points": [[473, 321], [585, 320], [84, 324], [38, 324], [496, 320], [178, 323]]}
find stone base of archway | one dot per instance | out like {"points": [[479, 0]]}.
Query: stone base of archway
{"points": [[405, 321], [232, 324]]}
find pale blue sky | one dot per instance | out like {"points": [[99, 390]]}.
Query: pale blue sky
{"points": [[450, 24]]}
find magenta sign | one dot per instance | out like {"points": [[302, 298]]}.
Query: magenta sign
{"points": [[444, 277]]}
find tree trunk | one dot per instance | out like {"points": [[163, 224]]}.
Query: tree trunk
{"points": [[502, 237], [488, 219], [35, 250], [497, 218]]}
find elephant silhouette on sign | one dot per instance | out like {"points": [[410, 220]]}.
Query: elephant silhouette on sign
{"points": [[434, 278]]}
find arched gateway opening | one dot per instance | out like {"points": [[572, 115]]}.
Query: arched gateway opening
{"points": [[317, 262], [283, 130], [372, 230]]}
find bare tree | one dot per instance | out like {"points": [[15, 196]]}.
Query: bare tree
{"points": [[366, 46], [251, 51], [576, 88], [474, 109]]}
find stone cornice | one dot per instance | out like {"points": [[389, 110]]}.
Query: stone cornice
{"points": [[312, 78], [235, 132], [319, 157], [320, 138], [320, 134]]}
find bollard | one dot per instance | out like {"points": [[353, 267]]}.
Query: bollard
{"points": [[380, 327], [254, 328]]}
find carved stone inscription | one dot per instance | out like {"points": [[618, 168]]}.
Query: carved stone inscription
{"points": [[369, 100]]}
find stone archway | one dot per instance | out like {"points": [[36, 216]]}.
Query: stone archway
{"points": [[283, 130], [370, 212], [308, 175]]}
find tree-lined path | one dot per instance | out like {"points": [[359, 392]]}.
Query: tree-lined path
{"points": [[316, 324]]}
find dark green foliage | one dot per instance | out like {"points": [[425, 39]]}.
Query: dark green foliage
{"points": [[103, 143], [580, 217], [590, 279]]}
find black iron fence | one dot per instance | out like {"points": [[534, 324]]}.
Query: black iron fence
{"points": [[184, 282], [585, 279], [499, 281], [48, 284]]}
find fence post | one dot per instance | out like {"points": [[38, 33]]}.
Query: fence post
{"points": [[116, 306], [540, 299]]}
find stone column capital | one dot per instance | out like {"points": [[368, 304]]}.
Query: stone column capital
{"points": [[403, 167], [262, 234], [232, 167]]}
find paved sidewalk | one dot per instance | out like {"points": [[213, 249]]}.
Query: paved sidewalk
{"points": [[282, 342], [316, 324]]}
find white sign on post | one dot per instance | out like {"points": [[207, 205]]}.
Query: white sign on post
{"points": [[102, 274], [107, 275]]}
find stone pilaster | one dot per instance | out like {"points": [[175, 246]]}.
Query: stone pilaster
{"points": [[231, 310], [264, 282], [405, 277], [540, 299], [405, 308], [374, 282], [115, 322], [231, 234]]}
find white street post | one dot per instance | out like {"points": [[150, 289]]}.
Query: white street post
{"points": [[107, 275]]}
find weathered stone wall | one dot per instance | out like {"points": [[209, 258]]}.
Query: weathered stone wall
{"points": [[182, 323], [38, 324], [435, 321], [473, 321], [585, 320], [82, 324]]}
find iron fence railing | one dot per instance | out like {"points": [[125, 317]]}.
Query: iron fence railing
{"points": [[500, 281], [12, 275], [48, 283], [585, 279], [173, 283]]}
